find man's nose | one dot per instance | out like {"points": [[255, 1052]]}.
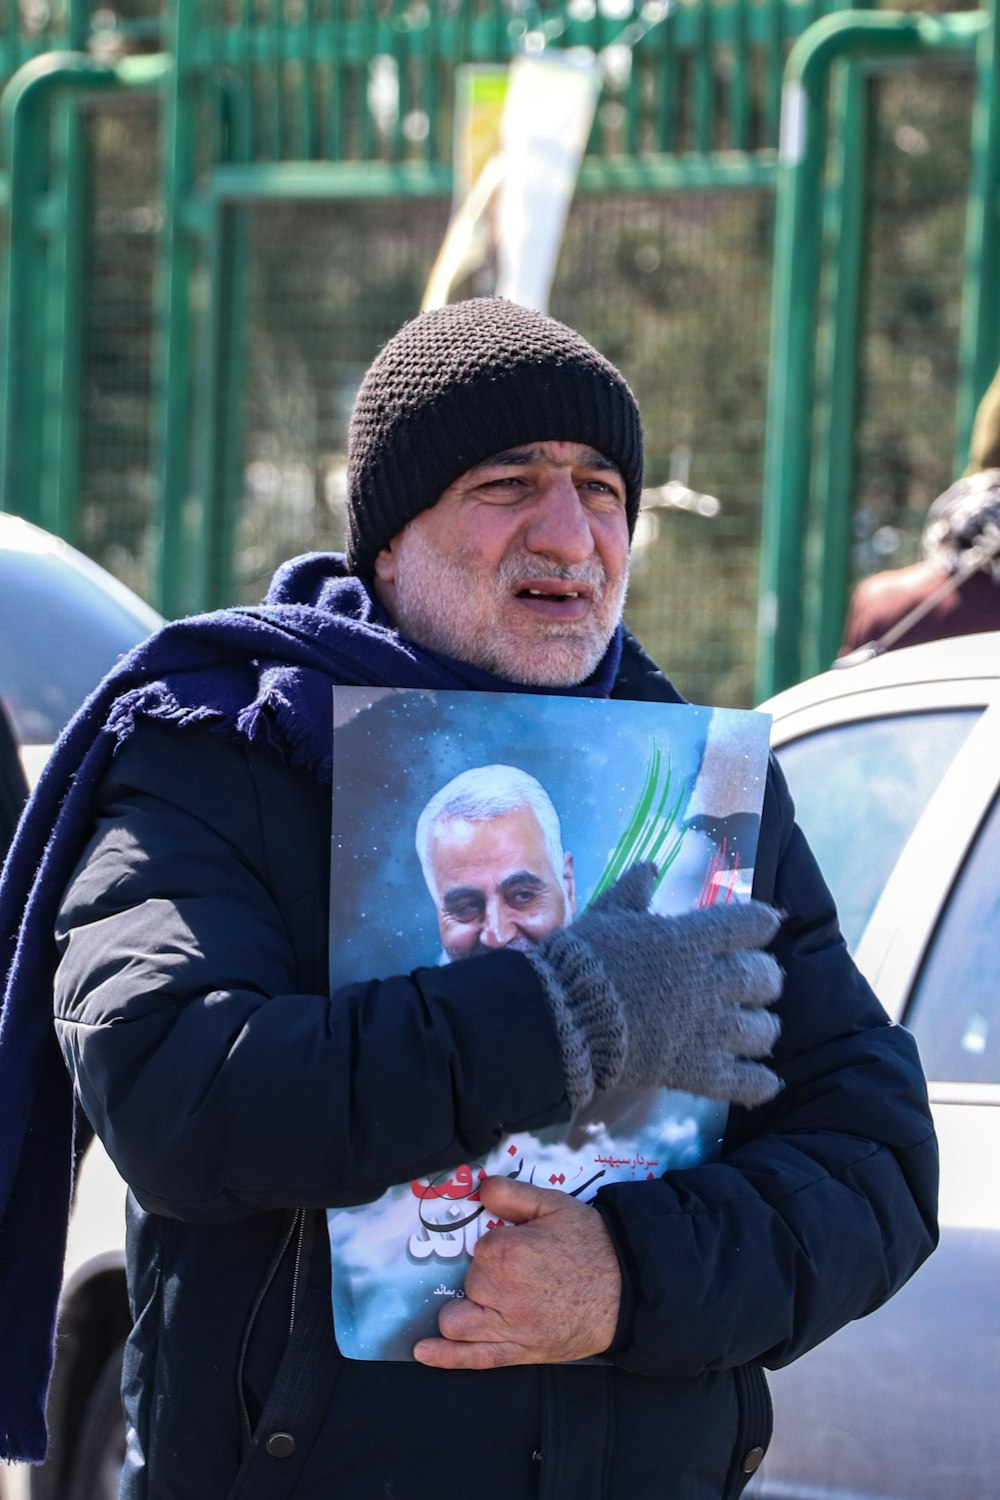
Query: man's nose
{"points": [[498, 926], [559, 525]]}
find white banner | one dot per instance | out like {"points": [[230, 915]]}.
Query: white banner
{"points": [[514, 213], [548, 113]]}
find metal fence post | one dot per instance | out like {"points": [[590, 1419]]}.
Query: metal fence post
{"points": [[23, 151], [834, 434], [219, 462], [797, 246], [25, 123], [178, 557], [62, 332], [63, 328], [979, 343], [41, 332]]}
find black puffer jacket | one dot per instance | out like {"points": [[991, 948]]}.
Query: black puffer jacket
{"points": [[239, 1099]]}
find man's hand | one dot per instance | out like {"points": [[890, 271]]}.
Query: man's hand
{"points": [[640, 999], [543, 1289]]}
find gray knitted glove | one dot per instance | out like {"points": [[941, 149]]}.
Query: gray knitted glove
{"points": [[641, 999]]}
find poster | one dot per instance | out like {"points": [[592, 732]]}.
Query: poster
{"points": [[464, 821]]}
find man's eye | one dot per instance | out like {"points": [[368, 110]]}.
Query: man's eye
{"points": [[523, 898], [503, 482], [464, 911]]}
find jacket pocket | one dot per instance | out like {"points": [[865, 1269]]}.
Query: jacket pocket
{"points": [[297, 1404], [753, 1428], [277, 1286]]}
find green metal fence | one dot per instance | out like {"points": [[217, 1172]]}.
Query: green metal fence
{"points": [[260, 204], [26, 30], [31, 27], [700, 76]]}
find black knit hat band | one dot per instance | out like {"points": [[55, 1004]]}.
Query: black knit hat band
{"points": [[464, 382]]}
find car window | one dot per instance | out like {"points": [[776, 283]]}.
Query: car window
{"points": [[60, 631], [954, 1011], [859, 789]]}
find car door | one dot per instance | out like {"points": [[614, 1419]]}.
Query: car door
{"points": [[897, 791]]}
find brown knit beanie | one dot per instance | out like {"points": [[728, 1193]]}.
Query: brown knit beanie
{"points": [[463, 382]]}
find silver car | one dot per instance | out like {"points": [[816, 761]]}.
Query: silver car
{"points": [[895, 768], [63, 622]]}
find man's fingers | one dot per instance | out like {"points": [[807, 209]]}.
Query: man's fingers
{"points": [[739, 924], [747, 1083], [473, 1338], [748, 1033], [465, 1321], [517, 1202], [749, 977], [448, 1354], [632, 891]]}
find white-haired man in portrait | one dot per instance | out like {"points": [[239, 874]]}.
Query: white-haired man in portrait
{"points": [[490, 847]]}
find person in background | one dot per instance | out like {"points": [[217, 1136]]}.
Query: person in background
{"points": [[953, 590], [955, 587]]}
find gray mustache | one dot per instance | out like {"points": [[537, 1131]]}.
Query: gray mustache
{"points": [[513, 570]]}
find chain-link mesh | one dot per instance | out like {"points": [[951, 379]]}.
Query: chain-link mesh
{"points": [[917, 203], [328, 284], [116, 504], [676, 290], [673, 289]]}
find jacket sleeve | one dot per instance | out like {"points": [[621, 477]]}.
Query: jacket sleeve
{"points": [[193, 1012], [822, 1203]]}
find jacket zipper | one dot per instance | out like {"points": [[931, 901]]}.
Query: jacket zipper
{"points": [[298, 1221], [298, 1267]]}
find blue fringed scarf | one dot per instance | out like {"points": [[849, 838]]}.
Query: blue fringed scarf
{"points": [[263, 673]]}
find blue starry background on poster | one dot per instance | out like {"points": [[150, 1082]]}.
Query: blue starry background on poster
{"points": [[394, 748]]}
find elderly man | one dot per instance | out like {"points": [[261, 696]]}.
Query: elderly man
{"points": [[494, 480], [490, 847]]}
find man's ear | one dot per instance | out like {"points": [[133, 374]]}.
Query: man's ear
{"points": [[384, 578], [569, 881], [385, 563]]}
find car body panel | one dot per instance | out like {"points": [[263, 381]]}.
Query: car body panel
{"points": [[96, 1239], [64, 621], [15, 1482], [902, 1405]]}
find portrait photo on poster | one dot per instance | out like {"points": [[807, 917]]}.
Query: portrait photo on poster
{"points": [[465, 822]]}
